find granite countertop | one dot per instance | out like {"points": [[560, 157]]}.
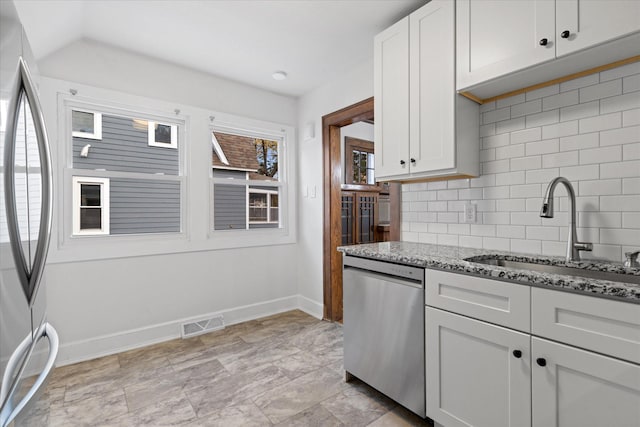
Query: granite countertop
{"points": [[452, 258]]}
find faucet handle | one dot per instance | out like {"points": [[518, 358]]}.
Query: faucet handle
{"points": [[583, 246], [632, 259]]}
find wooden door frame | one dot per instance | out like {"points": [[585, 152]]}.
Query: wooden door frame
{"points": [[332, 180]]}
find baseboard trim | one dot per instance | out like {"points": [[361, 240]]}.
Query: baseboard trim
{"points": [[81, 350]]}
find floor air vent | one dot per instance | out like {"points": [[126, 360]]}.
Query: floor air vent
{"points": [[192, 329]]}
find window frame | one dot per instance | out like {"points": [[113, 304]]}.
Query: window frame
{"points": [[105, 205], [97, 125], [151, 132], [269, 193], [361, 145]]}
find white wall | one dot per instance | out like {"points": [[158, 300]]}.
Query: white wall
{"points": [[587, 130], [356, 85], [100, 306]]}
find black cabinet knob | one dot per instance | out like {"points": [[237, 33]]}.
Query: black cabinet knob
{"points": [[565, 34], [402, 162], [544, 42], [517, 354], [413, 160], [541, 361]]}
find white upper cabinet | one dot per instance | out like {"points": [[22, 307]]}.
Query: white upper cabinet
{"points": [[391, 101], [496, 37], [423, 128], [527, 42]]}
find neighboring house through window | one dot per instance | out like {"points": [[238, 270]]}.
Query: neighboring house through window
{"points": [[126, 173], [247, 184]]}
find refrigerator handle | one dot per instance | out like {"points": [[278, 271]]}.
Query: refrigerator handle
{"points": [[9, 413], [29, 275]]}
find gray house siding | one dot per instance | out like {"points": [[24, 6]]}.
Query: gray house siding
{"points": [[229, 202], [144, 206], [125, 148]]}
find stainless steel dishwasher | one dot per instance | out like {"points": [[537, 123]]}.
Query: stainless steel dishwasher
{"points": [[383, 324]]}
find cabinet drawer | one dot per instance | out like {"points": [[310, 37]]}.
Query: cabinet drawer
{"points": [[502, 303], [602, 325]]}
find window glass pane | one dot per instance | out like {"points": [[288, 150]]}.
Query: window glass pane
{"points": [[257, 207], [90, 218], [371, 179], [274, 208], [163, 133], [82, 121], [267, 158], [89, 195]]}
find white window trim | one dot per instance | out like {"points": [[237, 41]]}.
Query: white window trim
{"points": [[152, 135], [97, 125], [268, 207], [78, 181]]}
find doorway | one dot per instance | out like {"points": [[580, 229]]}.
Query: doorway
{"points": [[337, 192]]}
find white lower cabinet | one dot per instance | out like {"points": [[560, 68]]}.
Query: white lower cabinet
{"points": [[478, 374], [483, 375], [581, 388]]}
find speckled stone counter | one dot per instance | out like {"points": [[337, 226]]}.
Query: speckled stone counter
{"points": [[452, 258]]}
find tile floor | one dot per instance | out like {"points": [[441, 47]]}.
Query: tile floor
{"points": [[283, 370]]}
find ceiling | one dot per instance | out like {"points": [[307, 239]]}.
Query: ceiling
{"points": [[313, 41]]}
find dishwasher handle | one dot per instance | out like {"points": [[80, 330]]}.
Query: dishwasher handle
{"points": [[387, 269], [386, 277]]}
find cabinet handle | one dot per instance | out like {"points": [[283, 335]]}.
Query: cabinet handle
{"points": [[541, 361], [413, 160], [565, 34], [402, 162], [517, 354], [544, 42]]}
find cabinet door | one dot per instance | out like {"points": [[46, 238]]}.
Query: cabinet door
{"points": [[473, 377], [577, 388], [497, 37], [591, 22], [432, 77], [391, 100]]}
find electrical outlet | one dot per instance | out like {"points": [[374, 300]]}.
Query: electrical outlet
{"points": [[470, 213]]}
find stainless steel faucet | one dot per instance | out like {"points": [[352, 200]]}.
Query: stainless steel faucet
{"points": [[573, 245], [631, 259]]}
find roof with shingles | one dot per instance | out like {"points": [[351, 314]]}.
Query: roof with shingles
{"points": [[239, 150]]}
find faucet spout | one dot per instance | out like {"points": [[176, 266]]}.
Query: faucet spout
{"points": [[573, 245]]}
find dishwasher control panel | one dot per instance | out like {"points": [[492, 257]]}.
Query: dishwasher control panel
{"points": [[405, 271]]}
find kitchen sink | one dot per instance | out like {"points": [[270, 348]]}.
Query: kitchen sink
{"points": [[558, 269]]}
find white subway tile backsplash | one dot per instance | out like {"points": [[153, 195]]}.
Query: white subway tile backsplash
{"points": [[554, 160], [624, 102], [542, 147], [601, 90], [631, 83], [600, 187], [587, 129], [618, 72], [577, 142], [602, 122], [560, 129], [505, 102], [601, 155], [580, 111], [631, 117], [589, 80], [631, 151], [510, 151], [631, 220], [542, 92], [544, 118], [527, 135], [510, 125], [526, 108], [620, 136], [496, 115], [563, 99], [631, 185], [627, 169]]}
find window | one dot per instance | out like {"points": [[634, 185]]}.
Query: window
{"points": [[359, 162], [121, 184], [248, 183], [90, 205], [86, 124], [163, 135]]}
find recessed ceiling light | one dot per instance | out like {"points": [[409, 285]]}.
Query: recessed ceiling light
{"points": [[279, 75]]}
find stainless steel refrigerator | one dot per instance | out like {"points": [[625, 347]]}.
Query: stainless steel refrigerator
{"points": [[28, 343]]}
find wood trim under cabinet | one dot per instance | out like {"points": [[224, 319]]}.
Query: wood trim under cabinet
{"points": [[552, 82]]}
